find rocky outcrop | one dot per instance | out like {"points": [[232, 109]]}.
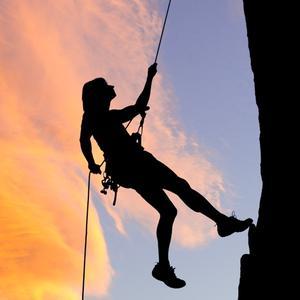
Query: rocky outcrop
{"points": [[265, 271]]}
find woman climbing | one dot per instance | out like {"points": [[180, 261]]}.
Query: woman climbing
{"points": [[130, 166]]}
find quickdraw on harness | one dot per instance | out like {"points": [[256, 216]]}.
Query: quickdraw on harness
{"points": [[108, 182]]}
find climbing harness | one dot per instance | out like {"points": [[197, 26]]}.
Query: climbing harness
{"points": [[107, 181]]}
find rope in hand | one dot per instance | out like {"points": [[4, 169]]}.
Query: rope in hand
{"points": [[143, 114]]}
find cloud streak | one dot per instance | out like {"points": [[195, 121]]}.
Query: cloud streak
{"points": [[48, 50]]}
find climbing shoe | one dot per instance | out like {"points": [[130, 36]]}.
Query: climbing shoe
{"points": [[231, 225], [167, 275]]}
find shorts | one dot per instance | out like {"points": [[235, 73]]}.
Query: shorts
{"points": [[141, 170]]}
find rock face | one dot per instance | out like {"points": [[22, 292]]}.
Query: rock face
{"points": [[265, 272]]}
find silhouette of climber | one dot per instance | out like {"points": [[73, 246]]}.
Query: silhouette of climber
{"points": [[132, 167]]}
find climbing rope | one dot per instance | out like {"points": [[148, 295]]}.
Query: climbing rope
{"points": [[107, 181], [163, 30], [86, 234]]}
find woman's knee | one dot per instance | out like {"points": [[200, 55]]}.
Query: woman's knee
{"points": [[169, 212], [173, 212], [182, 186]]}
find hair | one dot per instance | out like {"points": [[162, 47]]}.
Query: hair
{"points": [[91, 91]]}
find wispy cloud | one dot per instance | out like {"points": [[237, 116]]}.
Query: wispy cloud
{"points": [[48, 50]]}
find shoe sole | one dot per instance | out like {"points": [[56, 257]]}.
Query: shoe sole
{"points": [[166, 283]]}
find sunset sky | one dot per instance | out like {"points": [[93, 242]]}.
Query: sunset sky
{"points": [[203, 123]]}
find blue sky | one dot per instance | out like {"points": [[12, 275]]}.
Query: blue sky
{"points": [[204, 56]]}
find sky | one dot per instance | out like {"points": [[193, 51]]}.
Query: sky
{"points": [[203, 123]]}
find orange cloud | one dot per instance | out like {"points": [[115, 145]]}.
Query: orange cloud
{"points": [[48, 50]]}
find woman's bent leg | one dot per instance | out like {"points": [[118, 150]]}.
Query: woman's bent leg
{"points": [[167, 211], [158, 199]]}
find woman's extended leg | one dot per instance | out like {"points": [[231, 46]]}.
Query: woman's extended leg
{"points": [[194, 200], [197, 202]]}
